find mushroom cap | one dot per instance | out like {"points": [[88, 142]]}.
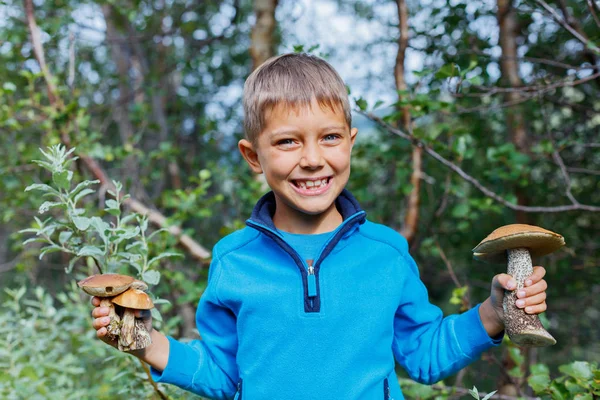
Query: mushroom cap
{"points": [[134, 298], [105, 285], [538, 241], [141, 285]]}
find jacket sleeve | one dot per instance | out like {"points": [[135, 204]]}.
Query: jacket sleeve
{"points": [[206, 367], [428, 346]]}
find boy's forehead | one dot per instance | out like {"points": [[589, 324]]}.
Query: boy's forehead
{"points": [[286, 108]]}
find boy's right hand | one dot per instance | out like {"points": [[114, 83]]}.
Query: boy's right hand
{"points": [[101, 320]]}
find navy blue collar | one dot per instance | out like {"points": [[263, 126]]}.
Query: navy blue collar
{"points": [[264, 209]]}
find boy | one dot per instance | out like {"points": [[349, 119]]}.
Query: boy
{"points": [[311, 300]]}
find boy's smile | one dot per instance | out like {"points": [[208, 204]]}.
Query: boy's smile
{"points": [[305, 155]]}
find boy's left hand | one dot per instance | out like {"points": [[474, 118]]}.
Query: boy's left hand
{"points": [[531, 298]]}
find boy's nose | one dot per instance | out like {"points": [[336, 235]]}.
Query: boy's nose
{"points": [[311, 158]]}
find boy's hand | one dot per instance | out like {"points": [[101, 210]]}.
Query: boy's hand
{"points": [[101, 321], [531, 298]]}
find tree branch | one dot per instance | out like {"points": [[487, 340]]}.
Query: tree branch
{"points": [[579, 36], [472, 180]]}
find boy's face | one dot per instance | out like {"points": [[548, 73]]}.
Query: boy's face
{"points": [[305, 156]]}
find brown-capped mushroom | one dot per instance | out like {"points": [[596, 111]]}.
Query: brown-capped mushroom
{"points": [[133, 334], [107, 286], [516, 244]]}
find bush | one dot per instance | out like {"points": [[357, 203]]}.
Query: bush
{"points": [[48, 349]]}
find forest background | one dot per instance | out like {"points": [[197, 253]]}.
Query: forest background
{"points": [[472, 115]]}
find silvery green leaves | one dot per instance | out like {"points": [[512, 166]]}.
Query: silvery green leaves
{"points": [[109, 242]]}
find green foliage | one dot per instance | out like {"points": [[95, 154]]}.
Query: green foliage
{"points": [[47, 347], [110, 245], [579, 380]]}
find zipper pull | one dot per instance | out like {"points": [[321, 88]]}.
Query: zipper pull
{"points": [[239, 389], [312, 281]]}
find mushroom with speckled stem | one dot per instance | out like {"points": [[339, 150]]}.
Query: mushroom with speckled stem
{"points": [[515, 244], [106, 286]]}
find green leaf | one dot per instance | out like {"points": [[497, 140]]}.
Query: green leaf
{"points": [[64, 236], [81, 194], [9, 87], [50, 249], [156, 314], [578, 370], [62, 179], [151, 277], [539, 383], [82, 223], [72, 263], [489, 395], [362, 104], [90, 251], [112, 204], [48, 205], [163, 255], [42, 187], [447, 71], [474, 392]]}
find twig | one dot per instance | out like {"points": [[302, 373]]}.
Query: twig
{"points": [[583, 171], [448, 264], [154, 385], [588, 44], [472, 180], [592, 7]]}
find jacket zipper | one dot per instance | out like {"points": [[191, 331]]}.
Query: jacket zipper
{"points": [[238, 394], [386, 390], [309, 271]]}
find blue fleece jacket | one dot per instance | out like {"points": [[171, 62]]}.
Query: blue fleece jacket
{"points": [[276, 326]]}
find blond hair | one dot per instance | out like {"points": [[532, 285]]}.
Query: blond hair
{"points": [[291, 80]]}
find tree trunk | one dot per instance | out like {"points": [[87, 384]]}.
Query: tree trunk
{"points": [[119, 53], [515, 124], [411, 217], [515, 120], [261, 38]]}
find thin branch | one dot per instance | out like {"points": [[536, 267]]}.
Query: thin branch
{"points": [[154, 385], [448, 264], [475, 182], [583, 171], [588, 44], [592, 9]]}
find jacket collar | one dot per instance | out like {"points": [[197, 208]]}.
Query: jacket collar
{"points": [[264, 210]]}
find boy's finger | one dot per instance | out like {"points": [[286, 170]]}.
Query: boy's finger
{"points": [[101, 332], [504, 281], [99, 312], [538, 274], [536, 288], [100, 323], [95, 301], [538, 299], [537, 309]]}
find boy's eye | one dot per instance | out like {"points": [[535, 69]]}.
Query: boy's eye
{"points": [[285, 142], [331, 136]]}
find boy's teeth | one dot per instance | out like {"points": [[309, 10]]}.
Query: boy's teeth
{"points": [[312, 184]]}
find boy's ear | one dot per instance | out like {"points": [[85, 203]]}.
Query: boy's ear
{"points": [[353, 133], [250, 155]]}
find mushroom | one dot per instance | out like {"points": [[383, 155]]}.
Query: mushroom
{"points": [[516, 244], [133, 335], [107, 286]]}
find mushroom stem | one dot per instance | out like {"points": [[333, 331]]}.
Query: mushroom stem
{"points": [[126, 337], [113, 326], [522, 328]]}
